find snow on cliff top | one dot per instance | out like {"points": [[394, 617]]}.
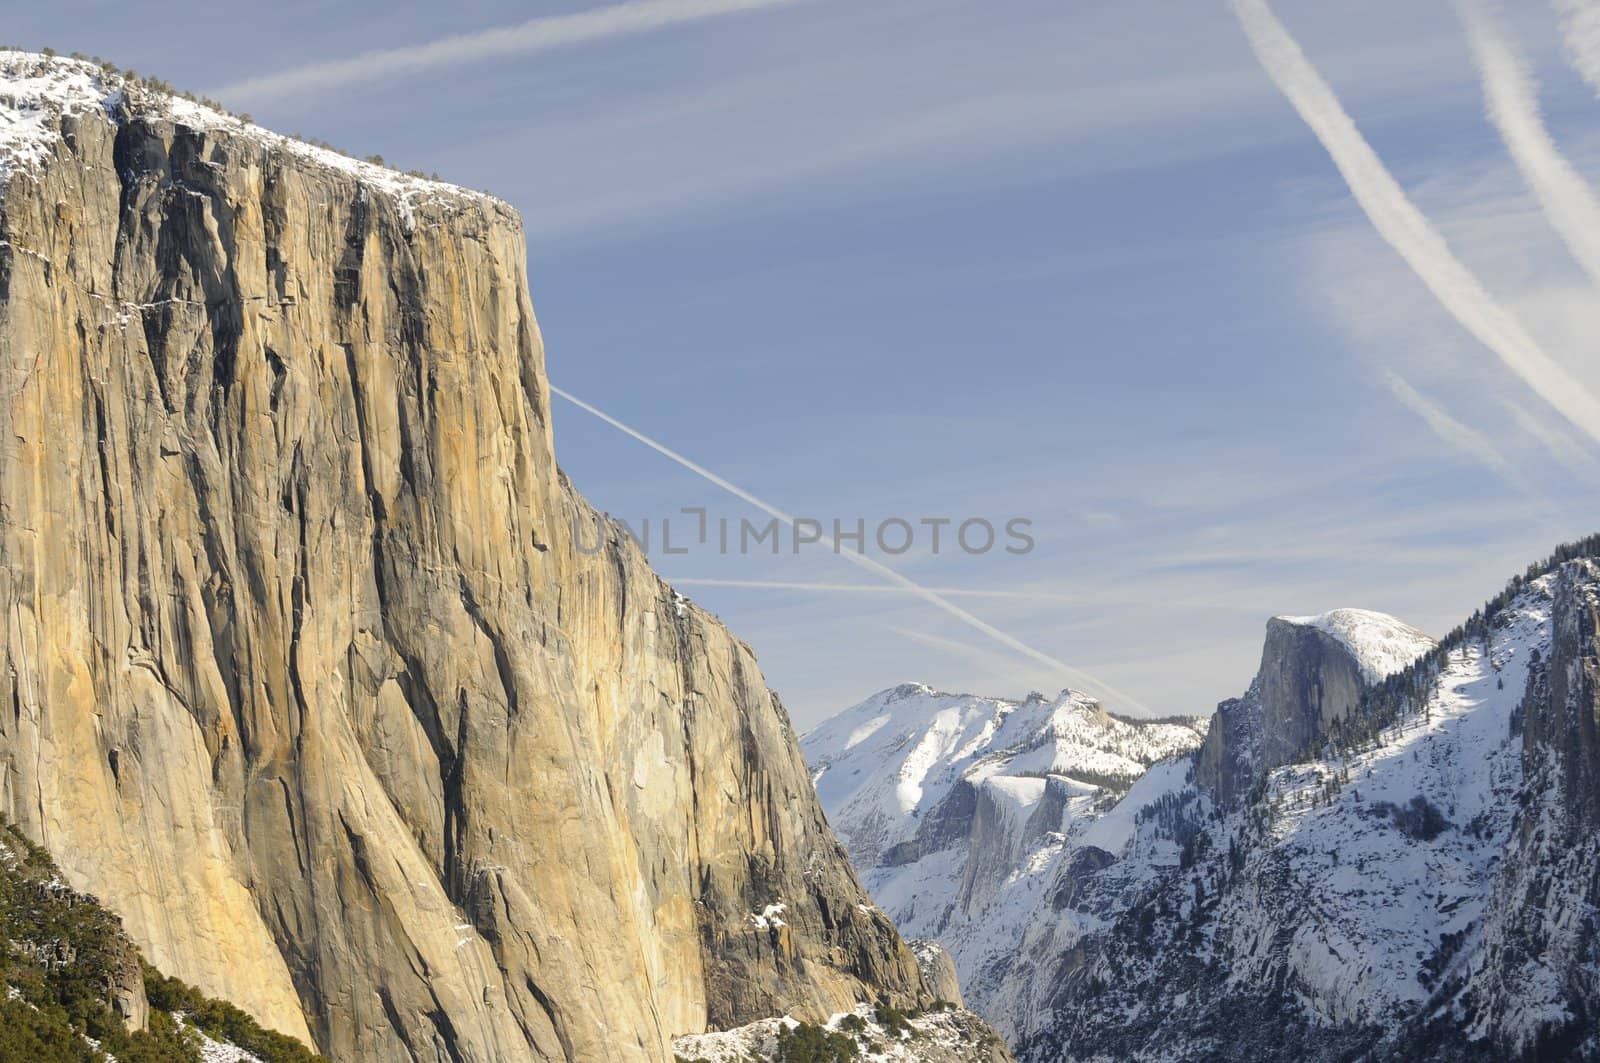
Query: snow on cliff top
{"points": [[1381, 644], [36, 91]]}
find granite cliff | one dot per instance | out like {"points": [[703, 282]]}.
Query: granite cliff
{"points": [[1313, 672], [315, 668]]}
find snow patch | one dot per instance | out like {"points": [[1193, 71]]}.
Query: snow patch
{"points": [[940, 1034], [37, 92], [770, 917]]}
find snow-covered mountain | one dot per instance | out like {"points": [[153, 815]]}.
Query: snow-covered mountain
{"points": [[955, 808], [1386, 849], [1419, 882]]}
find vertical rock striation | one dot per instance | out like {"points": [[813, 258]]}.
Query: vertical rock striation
{"points": [[1313, 671], [315, 668]]}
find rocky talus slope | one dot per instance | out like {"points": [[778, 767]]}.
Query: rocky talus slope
{"points": [[309, 666]]}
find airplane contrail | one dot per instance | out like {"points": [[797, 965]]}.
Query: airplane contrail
{"points": [[1512, 102], [870, 588], [1580, 33], [1073, 675], [541, 34], [1405, 228]]}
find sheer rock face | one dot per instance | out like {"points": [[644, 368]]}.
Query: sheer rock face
{"points": [[1228, 762], [1561, 735], [1308, 680], [1313, 670], [314, 667]]}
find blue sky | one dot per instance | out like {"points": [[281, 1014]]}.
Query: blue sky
{"points": [[1079, 263]]}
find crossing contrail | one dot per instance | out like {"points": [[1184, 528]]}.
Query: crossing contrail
{"points": [[1073, 675], [1511, 100], [1405, 228], [540, 34]]}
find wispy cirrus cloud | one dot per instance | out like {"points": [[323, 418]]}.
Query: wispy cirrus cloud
{"points": [[535, 35], [1580, 33], [1567, 452], [1404, 227], [1461, 436], [1512, 101]]}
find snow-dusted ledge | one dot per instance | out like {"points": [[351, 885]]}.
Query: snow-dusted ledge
{"points": [[38, 91]]}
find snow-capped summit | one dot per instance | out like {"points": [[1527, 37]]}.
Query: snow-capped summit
{"points": [[972, 820], [1419, 883], [1380, 643], [885, 767], [1313, 670]]}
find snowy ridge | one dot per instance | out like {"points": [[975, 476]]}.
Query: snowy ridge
{"points": [[956, 809], [1419, 880], [935, 1036], [1382, 644], [1386, 890], [37, 92], [882, 767]]}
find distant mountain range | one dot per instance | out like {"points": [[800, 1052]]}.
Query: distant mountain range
{"points": [[1388, 848]]}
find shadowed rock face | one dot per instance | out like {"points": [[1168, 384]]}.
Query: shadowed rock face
{"points": [[1229, 760], [1309, 678], [1562, 712], [316, 669]]}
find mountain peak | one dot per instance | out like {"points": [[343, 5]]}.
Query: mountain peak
{"points": [[897, 770], [1313, 670], [1380, 643]]}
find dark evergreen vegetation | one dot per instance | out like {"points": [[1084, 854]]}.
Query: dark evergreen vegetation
{"points": [[64, 962]]}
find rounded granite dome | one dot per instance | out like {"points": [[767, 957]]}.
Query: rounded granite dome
{"points": [[1381, 644]]}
